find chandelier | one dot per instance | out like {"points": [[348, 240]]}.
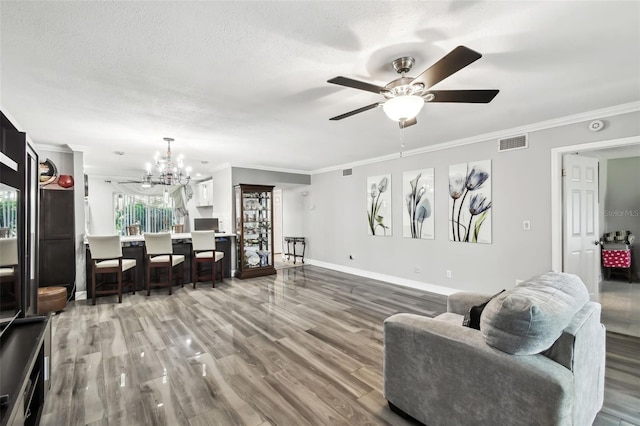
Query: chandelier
{"points": [[169, 171]]}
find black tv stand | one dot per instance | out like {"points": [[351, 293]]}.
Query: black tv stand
{"points": [[24, 370]]}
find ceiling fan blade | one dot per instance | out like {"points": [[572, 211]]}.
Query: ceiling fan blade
{"points": [[355, 111], [407, 123], [465, 96], [451, 63], [348, 82]]}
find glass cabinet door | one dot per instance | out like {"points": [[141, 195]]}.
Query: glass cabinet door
{"points": [[254, 213]]}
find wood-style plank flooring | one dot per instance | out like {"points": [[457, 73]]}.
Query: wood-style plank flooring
{"points": [[300, 348]]}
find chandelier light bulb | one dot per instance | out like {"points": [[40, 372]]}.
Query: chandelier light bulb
{"points": [[403, 108]]}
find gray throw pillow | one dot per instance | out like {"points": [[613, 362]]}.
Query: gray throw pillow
{"points": [[530, 317]]}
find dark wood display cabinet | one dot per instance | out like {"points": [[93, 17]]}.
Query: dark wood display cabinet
{"points": [[57, 240], [254, 228]]}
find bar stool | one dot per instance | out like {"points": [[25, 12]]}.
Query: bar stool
{"points": [[159, 254], [106, 258], [203, 251]]}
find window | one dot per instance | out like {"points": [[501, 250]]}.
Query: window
{"points": [[152, 213]]}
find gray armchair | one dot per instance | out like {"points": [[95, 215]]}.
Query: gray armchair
{"points": [[441, 373]]}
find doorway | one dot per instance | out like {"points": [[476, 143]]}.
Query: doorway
{"points": [[620, 300]]}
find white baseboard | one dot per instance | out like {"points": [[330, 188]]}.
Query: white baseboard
{"points": [[386, 278]]}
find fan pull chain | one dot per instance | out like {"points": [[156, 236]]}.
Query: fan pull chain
{"points": [[402, 144]]}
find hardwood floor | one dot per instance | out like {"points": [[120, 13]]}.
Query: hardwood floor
{"points": [[303, 347], [620, 306]]}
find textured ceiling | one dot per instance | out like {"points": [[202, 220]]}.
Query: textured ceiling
{"points": [[245, 82]]}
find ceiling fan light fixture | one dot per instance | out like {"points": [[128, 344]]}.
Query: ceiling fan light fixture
{"points": [[403, 108]]}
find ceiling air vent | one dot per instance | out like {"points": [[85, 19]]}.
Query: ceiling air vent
{"points": [[347, 172], [514, 142]]}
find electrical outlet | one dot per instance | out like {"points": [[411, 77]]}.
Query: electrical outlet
{"points": [[417, 269], [448, 273]]}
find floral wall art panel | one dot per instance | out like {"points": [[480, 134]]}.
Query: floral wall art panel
{"points": [[470, 202], [379, 205], [418, 192]]}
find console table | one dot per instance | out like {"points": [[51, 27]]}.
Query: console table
{"points": [[294, 240]]}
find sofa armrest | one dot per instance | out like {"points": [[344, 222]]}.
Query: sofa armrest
{"points": [[443, 374], [460, 303]]}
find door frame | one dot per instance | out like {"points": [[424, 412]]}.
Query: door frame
{"points": [[556, 189]]}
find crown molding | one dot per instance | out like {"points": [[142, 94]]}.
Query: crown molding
{"points": [[534, 127], [78, 148], [271, 169], [221, 167], [358, 163], [53, 148]]}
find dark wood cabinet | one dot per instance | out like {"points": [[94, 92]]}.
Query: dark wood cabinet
{"points": [[57, 214], [57, 240]]}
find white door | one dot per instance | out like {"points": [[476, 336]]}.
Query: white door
{"points": [[581, 252]]}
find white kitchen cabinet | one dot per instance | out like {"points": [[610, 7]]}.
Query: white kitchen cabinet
{"points": [[204, 192]]}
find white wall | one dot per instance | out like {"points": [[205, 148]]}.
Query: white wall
{"points": [[223, 199], [277, 220], [99, 212], [294, 211], [79, 211], [336, 226], [63, 162]]}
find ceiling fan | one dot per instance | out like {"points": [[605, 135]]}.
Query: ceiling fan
{"points": [[405, 96]]}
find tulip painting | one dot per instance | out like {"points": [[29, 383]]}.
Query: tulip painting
{"points": [[418, 219], [379, 205], [470, 202]]}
